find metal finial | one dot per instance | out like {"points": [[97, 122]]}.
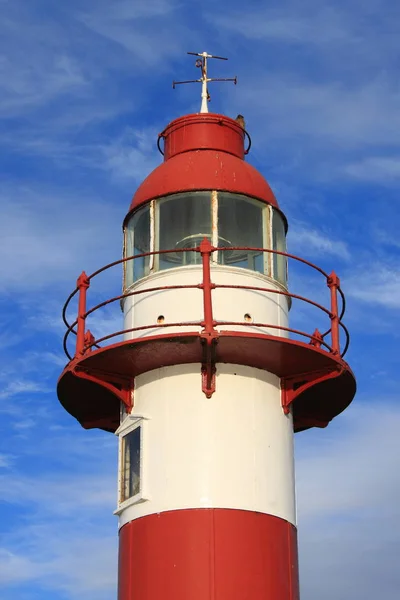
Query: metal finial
{"points": [[201, 63]]}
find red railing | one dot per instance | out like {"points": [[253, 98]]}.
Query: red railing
{"points": [[85, 341]]}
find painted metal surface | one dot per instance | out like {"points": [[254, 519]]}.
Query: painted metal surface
{"points": [[307, 369], [182, 305], [203, 152], [203, 132], [208, 555], [201, 63], [234, 450], [95, 406], [207, 286], [201, 170]]}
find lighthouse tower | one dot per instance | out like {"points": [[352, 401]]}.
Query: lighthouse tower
{"points": [[206, 383]]}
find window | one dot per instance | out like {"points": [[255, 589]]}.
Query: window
{"points": [[137, 241], [279, 243], [130, 464], [241, 222], [183, 221]]}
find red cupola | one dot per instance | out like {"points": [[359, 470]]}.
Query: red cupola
{"points": [[203, 152]]}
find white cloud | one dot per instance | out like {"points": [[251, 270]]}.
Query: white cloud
{"points": [[6, 461], [348, 518], [16, 568], [317, 107], [134, 28], [382, 169], [348, 473], [315, 25], [305, 240], [64, 540], [106, 321], [61, 558], [49, 236], [61, 494], [22, 386], [133, 155], [37, 66], [327, 115], [378, 285]]}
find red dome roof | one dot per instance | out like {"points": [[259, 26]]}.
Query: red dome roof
{"points": [[203, 152]]}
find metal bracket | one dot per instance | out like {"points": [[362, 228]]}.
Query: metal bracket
{"points": [[208, 368], [124, 391], [292, 387]]}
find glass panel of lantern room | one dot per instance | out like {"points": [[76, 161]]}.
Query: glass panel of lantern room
{"points": [[182, 222], [279, 243], [241, 222], [137, 241]]}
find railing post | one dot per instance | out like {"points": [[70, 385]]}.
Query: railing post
{"points": [[205, 251], [316, 339], [208, 334], [89, 341], [82, 284], [333, 283]]}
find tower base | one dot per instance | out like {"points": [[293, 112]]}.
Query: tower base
{"points": [[208, 554]]}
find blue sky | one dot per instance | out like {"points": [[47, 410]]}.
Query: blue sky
{"points": [[84, 90]]}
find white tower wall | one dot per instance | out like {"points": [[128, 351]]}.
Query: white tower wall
{"points": [[187, 304], [234, 450]]}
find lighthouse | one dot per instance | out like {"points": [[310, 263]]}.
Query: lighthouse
{"points": [[206, 383]]}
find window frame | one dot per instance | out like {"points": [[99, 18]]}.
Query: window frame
{"points": [[275, 263], [125, 254], [267, 216], [130, 424]]}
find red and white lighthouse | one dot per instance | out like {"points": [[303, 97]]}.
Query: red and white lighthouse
{"points": [[209, 383]]}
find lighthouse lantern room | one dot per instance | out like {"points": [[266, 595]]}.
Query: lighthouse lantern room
{"points": [[205, 384]]}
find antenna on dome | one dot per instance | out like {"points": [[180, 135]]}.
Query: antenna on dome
{"points": [[201, 63]]}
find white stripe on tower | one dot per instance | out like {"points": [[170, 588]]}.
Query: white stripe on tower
{"points": [[234, 450]]}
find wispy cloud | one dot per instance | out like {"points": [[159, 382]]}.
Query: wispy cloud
{"points": [[133, 155], [73, 498], [382, 169], [133, 26], [63, 493], [306, 241], [18, 387], [6, 461], [379, 286], [50, 232], [325, 94], [76, 564], [345, 492], [313, 24]]}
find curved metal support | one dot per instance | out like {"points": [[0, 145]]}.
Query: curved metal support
{"points": [[160, 137], [124, 393], [293, 387], [247, 150]]}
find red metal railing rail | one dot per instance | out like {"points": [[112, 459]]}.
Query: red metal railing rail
{"points": [[85, 340]]}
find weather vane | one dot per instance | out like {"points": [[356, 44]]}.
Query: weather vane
{"points": [[201, 63]]}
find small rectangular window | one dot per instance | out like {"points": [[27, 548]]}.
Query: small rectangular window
{"points": [[130, 467]]}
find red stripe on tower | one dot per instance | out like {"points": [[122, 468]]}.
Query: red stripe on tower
{"points": [[208, 554]]}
